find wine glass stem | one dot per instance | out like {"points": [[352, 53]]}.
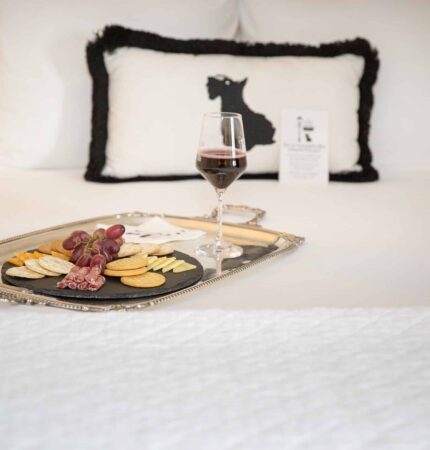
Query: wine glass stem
{"points": [[218, 238]]}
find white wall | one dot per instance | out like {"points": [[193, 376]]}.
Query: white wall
{"points": [[399, 29], [45, 87]]}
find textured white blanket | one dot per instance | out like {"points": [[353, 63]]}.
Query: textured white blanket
{"points": [[315, 379]]}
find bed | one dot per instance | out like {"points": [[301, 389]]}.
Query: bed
{"points": [[324, 348]]}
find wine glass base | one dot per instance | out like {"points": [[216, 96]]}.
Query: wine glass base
{"points": [[225, 250]]}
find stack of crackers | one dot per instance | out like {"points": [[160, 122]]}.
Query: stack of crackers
{"points": [[54, 248], [40, 267], [50, 260]]}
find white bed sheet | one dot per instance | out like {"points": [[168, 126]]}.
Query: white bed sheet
{"points": [[325, 379], [367, 245]]}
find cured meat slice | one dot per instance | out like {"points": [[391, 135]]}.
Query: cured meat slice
{"points": [[81, 274], [92, 275], [83, 279], [72, 284]]}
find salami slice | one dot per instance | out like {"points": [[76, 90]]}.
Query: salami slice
{"points": [[81, 274]]}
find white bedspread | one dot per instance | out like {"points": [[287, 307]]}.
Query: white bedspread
{"points": [[367, 245], [310, 380]]}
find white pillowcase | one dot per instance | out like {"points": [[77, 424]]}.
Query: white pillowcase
{"points": [[156, 103], [45, 90]]}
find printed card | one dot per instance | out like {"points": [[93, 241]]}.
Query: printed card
{"points": [[304, 147]]}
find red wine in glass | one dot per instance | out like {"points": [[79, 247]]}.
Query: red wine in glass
{"points": [[220, 166], [221, 159]]}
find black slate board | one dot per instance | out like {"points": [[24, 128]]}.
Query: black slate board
{"points": [[113, 288]]}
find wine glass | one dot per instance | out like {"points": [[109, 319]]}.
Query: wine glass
{"points": [[221, 159]]}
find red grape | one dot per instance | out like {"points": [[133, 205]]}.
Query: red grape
{"points": [[103, 246], [100, 233], [82, 235], [99, 248], [110, 247], [71, 242], [119, 241], [115, 231], [77, 253], [98, 245], [98, 261], [84, 260], [108, 257]]}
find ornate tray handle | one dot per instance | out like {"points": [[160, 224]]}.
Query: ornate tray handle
{"points": [[258, 213]]}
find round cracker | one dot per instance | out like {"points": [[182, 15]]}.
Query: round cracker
{"points": [[45, 248], [33, 264], [56, 264], [129, 249], [60, 255], [149, 249], [133, 262], [147, 280], [57, 246], [23, 272], [164, 250], [125, 273]]}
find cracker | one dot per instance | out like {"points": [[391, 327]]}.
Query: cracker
{"points": [[147, 280], [164, 250], [164, 263], [184, 267], [57, 246], [33, 264], [15, 261], [56, 264], [125, 273], [172, 265], [45, 248], [133, 262], [129, 249], [149, 249], [24, 256], [38, 255], [59, 255], [23, 272]]}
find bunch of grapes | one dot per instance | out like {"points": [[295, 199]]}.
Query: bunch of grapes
{"points": [[96, 250]]}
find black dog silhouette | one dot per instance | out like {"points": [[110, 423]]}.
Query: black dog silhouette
{"points": [[258, 129]]}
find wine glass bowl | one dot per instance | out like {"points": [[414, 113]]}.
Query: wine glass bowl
{"points": [[221, 159]]}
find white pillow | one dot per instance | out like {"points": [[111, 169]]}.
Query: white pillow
{"points": [[152, 113], [155, 100], [45, 90]]}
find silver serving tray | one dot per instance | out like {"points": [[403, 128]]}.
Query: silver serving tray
{"points": [[260, 244]]}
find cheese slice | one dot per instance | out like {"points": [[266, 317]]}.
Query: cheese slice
{"points": [[172, 265], [155, 262], [151, 259], [165, 263], [184, 267]]}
